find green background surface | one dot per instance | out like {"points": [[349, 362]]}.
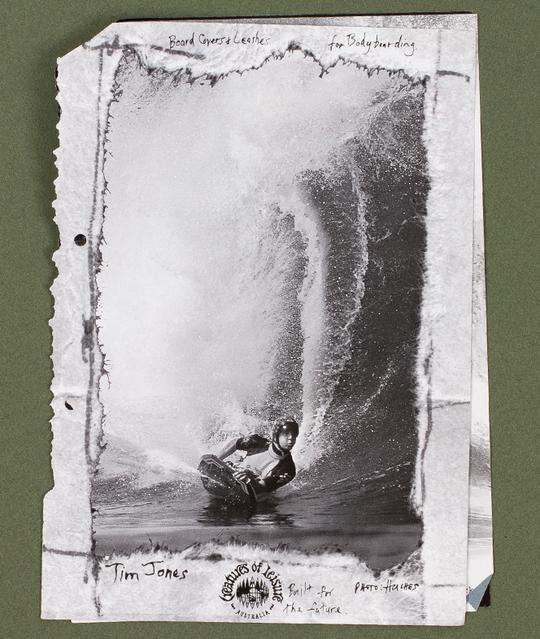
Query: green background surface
{"points": [[34, 35]]}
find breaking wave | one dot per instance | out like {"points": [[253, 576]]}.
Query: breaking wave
{"points": [[294, 263]]}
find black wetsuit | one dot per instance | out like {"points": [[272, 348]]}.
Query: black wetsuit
{"points": [[274, 466]]}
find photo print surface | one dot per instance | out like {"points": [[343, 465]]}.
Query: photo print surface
{"points": [[276, 273], [278, 324]]}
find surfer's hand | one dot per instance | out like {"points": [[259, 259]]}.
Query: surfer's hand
{"points": [[244, 475]]}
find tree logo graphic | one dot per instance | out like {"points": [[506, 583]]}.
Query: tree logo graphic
{"points": [[252, 593]]}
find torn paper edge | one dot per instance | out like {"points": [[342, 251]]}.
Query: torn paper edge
{"points": [[480, 555]]}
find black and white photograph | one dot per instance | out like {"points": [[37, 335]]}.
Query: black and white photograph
{"points": [[276, 278], [276, 317]]}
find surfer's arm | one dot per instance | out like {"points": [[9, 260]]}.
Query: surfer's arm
{"points": [[250, 444], [230, 448]]}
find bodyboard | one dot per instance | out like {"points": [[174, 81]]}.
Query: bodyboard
{"points": [[218, 480]]}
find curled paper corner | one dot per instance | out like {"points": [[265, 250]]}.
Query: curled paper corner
{"points": [[476, 594]]}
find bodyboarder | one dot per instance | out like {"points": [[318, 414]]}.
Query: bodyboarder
{"points": [[268, 464]]}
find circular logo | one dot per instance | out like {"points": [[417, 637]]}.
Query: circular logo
{"points": [[252, 590]]}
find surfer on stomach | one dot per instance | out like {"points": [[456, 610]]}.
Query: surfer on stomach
{"points": [[268, 464]]}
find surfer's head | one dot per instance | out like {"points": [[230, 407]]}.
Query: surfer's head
{"points": [[285, 434]]}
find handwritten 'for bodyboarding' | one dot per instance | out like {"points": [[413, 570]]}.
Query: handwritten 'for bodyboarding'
{"points": [[359, 41], [367, 44]]}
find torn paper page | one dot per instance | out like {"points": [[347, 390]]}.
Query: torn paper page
{"points": [[273, 268]]}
